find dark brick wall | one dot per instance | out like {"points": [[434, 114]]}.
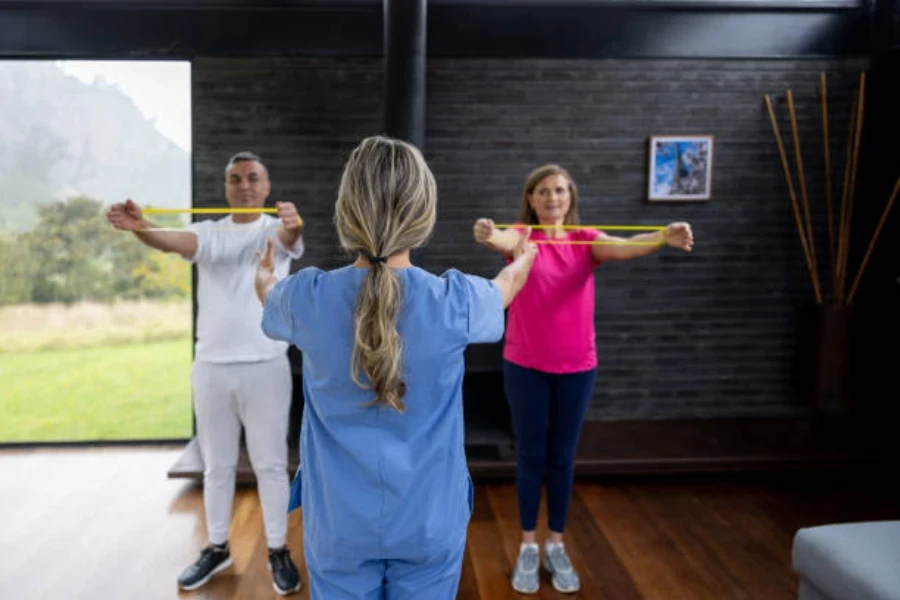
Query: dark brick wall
{"points": [[301, 116], [710, 334]]}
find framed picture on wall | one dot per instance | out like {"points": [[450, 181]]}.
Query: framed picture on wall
{"points": [[680, 168]]}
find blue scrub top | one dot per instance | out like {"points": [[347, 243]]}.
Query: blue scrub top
{"points": [[373, 482]]}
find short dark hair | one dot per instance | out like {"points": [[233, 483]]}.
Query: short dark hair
{"points": [[244, 156]]}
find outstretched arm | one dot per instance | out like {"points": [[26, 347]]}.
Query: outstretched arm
{"points": [[127, 216], [291, 229], [678, 235], [502, 241], [514, 275]]}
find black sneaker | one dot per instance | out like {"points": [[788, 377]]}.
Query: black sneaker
{"points": [[285, 578], [212, 560]]}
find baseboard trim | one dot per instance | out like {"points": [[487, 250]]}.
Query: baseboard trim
{"points": [[690, 446]]}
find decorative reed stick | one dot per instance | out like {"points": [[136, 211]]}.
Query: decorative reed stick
{"points": [[826, 147], [865, 260], [790, 184], [848, 160], [801, 177], [860, 111], [838, 249]]}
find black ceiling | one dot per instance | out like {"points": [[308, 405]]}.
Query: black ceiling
{"points": [[167, 29]]}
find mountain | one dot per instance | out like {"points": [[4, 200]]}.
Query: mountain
{"points": [[60, 137]]}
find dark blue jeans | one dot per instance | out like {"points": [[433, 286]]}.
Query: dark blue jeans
{"points": [[547, 413]]}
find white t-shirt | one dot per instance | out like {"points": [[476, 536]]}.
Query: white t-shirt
{"points": [[229, 315]]}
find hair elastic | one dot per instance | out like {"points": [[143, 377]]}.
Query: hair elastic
{"points": [[375, 260]]}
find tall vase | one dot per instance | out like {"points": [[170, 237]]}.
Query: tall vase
{"points": [[832, 372]]}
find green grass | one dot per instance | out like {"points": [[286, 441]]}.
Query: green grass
{"points": [[54, 327], [92, 371], [130, 391]]}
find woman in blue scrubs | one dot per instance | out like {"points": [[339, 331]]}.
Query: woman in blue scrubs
{"points": [[383, 482]]}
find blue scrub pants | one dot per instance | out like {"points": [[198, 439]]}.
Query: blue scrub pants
{"points": [[434, 578]]}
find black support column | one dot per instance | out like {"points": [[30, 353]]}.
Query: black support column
{"points": [[885, 25], [404, 60]]}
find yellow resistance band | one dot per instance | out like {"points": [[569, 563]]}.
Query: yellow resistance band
{"points": [[222, 228], [599, 242], [608, 227], [161, 211], [152, 211]]}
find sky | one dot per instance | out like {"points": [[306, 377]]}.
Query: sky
{"points": [[161, 90]]}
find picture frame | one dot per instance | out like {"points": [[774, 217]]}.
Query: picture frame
{"points": [[680, 168]]}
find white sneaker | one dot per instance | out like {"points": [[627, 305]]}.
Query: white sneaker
{"points": [[525, 575], [557, 562]]}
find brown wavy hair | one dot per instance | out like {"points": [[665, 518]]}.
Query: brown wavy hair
{"points": [[527, 214]]}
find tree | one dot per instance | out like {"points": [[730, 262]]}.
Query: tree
{"points": [[76, 255], [15, 270], [71, 247], [162, 276]]}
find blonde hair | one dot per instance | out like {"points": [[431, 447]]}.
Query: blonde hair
{"points": [[387, 203], [527, 214]]}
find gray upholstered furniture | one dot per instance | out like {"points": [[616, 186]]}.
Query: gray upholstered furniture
{"points": [[848, 561]]}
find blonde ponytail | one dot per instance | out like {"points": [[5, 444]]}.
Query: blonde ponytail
{"points": [[387, 204]]}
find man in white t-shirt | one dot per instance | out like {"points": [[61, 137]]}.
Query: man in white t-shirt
{"points": [[239, 376]]}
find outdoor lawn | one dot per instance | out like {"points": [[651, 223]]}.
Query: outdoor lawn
{"points": [[95, 371]]}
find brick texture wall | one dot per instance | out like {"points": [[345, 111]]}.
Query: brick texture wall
{"points": [[712, 334]]}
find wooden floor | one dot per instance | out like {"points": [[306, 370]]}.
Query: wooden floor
{"points": [[107, 523]]}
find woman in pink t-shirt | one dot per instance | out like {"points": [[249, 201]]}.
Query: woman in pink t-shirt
{"points": [[550, 356]]}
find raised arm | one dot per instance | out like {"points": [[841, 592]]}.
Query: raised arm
{"points": [[127, 216], [503, 241], [678, 235], [265, 278], [514, 275], [290, 231]]}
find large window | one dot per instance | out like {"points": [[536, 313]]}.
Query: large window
{"points": [[95, 328]]}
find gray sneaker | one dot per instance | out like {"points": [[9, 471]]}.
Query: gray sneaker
{"points": [[565, 579], [525, 575]]}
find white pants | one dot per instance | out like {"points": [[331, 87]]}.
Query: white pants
{"points": [[257, 395]]}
